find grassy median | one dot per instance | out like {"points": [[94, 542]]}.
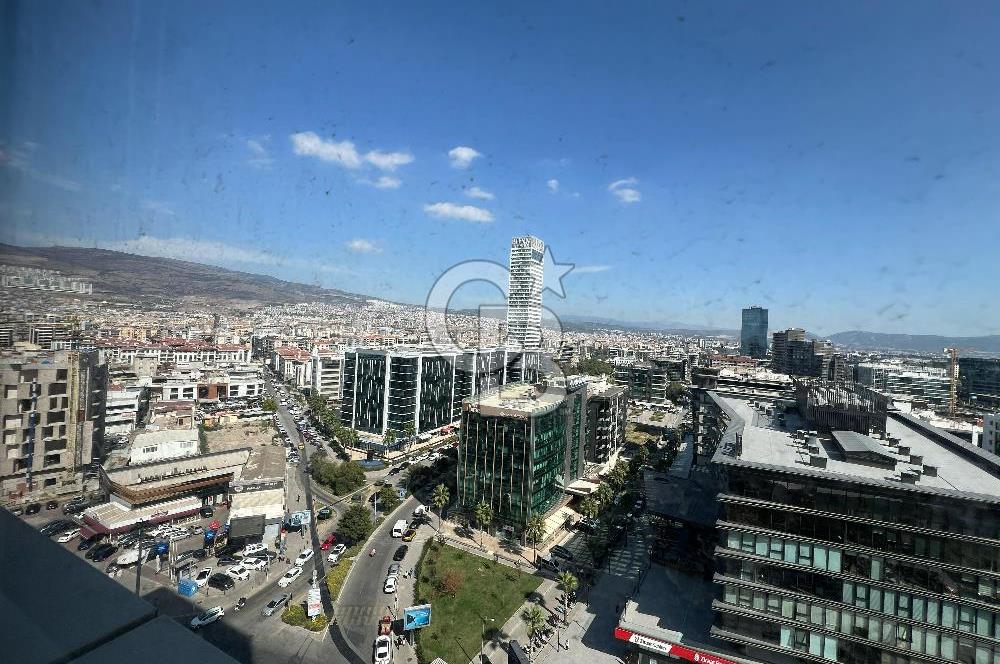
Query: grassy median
{"points": [[337, 575], [464, 589]]}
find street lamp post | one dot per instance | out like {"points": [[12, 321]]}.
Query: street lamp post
{"points": [[482, 641], [138, 563]]}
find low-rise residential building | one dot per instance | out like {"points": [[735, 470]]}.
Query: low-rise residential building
{"points": [[154, 446]]}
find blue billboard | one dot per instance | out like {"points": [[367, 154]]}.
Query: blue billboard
{"points": [[161, 548], [415, 617]]}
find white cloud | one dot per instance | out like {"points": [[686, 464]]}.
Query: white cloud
{"points": [[481, 194], [463, 212], [462, 156], [553, 185], [387, 182], [259, 157], [158, 207], [18, 160], [344, 153], [388, 161], [590, 269], [308, 144], [625, 190], [362, 246]]}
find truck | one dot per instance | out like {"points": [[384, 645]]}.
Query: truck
{"points": [[399, 528]]}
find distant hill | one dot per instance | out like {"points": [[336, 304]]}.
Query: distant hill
{"points": [[119, 275], [924, 343]]}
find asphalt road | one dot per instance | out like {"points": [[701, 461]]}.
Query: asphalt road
{"points": [[362, 601]]}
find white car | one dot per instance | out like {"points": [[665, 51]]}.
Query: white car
{"points": [[289, 576], [304, 557], [68, 535], [202, 577], [207, 618], [383, 650], [254, 563], [390, 585], [238, 572], [335, 553]]}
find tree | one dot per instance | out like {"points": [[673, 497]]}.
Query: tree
{"points": [[356, 523], [589, 507], [675, 390], [618, 476], [534, 620], [595, 367], [269, 405], [409, 431], [604, 495], [567, 583], [349, 476], [440, 498], [388, 498], [484, 517], [389, 438], [534, 531]]}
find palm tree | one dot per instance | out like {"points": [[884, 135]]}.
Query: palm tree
{"points": [[534, 620], [484, 517], [440, 498], [534, 531], [567, 583], [589, 507]]}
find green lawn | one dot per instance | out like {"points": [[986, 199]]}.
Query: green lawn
{"points": [[482, 589]]}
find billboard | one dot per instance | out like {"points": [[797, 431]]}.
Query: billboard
{"points": [[314, 605], [415, 617]]}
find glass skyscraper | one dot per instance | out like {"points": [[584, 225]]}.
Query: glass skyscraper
{"points": [[524, 294], [753, 333]]}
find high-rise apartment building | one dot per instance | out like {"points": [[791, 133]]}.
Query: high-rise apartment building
{"points": [[649, 380], [979, 380], [847, 547], [524, 295], [52, 416], [929, 384], [792, 354], [753, 333], [607, 412]]}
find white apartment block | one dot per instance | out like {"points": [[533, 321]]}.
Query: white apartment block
{"points": [[121, 413], [327, 372], [524, 295], [928, 383]]}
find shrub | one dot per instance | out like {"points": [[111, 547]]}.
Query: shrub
{"points": [[296, 616], [450, 582]]}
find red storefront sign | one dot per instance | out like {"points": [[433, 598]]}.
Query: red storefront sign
{"points": [[666, 648]]}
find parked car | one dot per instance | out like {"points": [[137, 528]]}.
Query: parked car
{"points": [[324, 513], [400, 553], [221, 582], [56, 527], [303, 557], [207, 511], [86, 544], [105, 552], [409, 535], [52, 504], [389, 586], [68, 535], [197, 530], [328, 542], [225, 561], [266, 555], [95, 550], [203, 577], [254, 563], [238, 572], [275, 604], [382, 650], [289, 576], [207, 618]]}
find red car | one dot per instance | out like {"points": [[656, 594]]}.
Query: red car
{"points": [[328, 542]]}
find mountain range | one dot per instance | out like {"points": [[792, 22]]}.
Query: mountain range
{"points": [[119, 275]]}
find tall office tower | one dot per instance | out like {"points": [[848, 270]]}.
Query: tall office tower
{"points": [[753, 335], [524, 297]]}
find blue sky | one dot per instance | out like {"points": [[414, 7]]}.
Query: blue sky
{"points": [[837, 163]]}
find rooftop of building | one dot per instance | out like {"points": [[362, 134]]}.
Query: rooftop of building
{"points": [[144, 438], [58, 608], [518, 399], [265, 462], [171, 471], [946, 463]]}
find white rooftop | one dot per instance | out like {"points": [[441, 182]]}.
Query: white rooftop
{"points": [[767, 443]]}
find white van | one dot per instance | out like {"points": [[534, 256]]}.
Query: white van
{"points": [[420, 511], [253, 548], [399, 528]]}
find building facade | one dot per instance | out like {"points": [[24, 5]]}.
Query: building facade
{"points": [[990, 438], [524, 294], [53, 418], [979, 381], [877, 550], [926, 384], [649, 380], [607, 412], [753, 333]]}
